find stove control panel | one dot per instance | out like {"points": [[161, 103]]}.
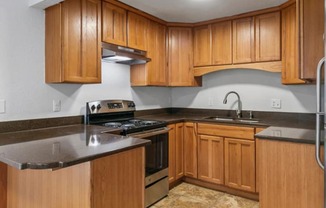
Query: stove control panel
{"points": [[110, 106]]}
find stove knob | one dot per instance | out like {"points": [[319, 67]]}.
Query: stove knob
{"points": [[93, 107], [131, 105], [98, 107]]}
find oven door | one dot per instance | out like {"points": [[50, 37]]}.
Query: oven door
{"points": [[157, 151]]}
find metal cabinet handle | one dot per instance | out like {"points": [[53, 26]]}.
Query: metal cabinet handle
{"points": [[319, 112]]}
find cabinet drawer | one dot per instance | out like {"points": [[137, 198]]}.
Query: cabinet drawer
{"points": [[226, 131]]}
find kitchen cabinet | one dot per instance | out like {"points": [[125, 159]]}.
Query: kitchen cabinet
{"points": [[114, 25], [137, 29], [103, 182], [175, 152], [268, 37], [202, 46], [289, 175], [240, 163], [243, 40], [190, 150], [211, 159], [180, 61], [303, 44], [153, 73], [222, 43], [73, 42], [234, 155]]}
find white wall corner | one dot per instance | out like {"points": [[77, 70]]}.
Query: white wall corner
{"points": [[42, 4]]}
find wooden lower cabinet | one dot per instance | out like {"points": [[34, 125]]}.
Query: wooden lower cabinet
{"points": [[175, 152], [190, 150], [240, 168], [211, 159], [113, 181], [289, 175]]}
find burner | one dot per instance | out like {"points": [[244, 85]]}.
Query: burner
{"points": [[113, 124], [128, 126], [148, 123], [135, 121]]}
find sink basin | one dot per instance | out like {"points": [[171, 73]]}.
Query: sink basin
{"points": [[241, 120]]}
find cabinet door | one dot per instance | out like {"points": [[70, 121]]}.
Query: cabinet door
{"points": [[240, 169], [137, 31], [202, 46], [311, 30], [172, 152], [211, 159], [222, 43], [179, 137], [190, 150], [114, 24], [290, 51], [243, 40], [180, 57], [268, 37]]}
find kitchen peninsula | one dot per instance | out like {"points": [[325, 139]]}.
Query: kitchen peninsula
{"points": [[71, 166]]}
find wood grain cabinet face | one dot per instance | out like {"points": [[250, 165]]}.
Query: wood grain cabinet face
{"points": [[243, 40], [211, 159], [114, 24], [137, 28], [202, 46], [73, 42], [240, 168], [181, 57], [221, 43], [190, 150], [268, 37], [175, 152]]}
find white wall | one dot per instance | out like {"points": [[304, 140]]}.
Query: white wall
{"points": [[256, 89], [27, 96], [22, 73]]}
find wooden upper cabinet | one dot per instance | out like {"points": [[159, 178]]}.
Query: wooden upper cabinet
{"points": [[73, 42], [114, 24], [221, 43], [311, 30], [243, 40], [181, 57], [137, 28], [202, 46], [290, 46], [153, 73], [268, 37]]}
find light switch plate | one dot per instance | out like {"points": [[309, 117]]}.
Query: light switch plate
{"points": [[2, 106]]}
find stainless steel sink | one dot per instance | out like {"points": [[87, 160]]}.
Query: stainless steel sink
{"points": [[240, 120]]}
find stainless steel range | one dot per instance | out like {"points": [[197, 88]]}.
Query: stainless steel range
{"points": [[119, 114]]}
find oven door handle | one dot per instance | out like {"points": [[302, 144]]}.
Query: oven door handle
{"points": [[149, 133]]}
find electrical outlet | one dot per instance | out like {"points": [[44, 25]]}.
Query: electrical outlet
{"points": [[276, 103], [56, 105], [2, 106]]}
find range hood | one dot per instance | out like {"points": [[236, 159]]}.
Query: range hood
{"points": [[122, 55]]}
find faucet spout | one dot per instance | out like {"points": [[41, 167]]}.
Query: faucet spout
{"points": [[238, 111]]}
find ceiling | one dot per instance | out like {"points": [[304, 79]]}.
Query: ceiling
{"points": [[190, 11]]}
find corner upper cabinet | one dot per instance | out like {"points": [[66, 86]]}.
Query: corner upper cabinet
{"points": [[181, 57], [243, 40], [137, 28], [73, 42], [222, 43], [154, 72], [202, 46], [114, 24]]}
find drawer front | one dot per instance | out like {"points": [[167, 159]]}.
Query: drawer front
{"points": [[226, 131]]}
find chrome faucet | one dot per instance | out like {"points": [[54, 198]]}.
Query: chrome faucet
{"points": [[238, 111]]}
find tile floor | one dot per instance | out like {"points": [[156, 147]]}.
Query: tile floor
{"points": [[190, 196]]}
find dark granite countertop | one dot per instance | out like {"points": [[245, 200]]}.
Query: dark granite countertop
{"points": [[297, 135], [62, 146]]}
